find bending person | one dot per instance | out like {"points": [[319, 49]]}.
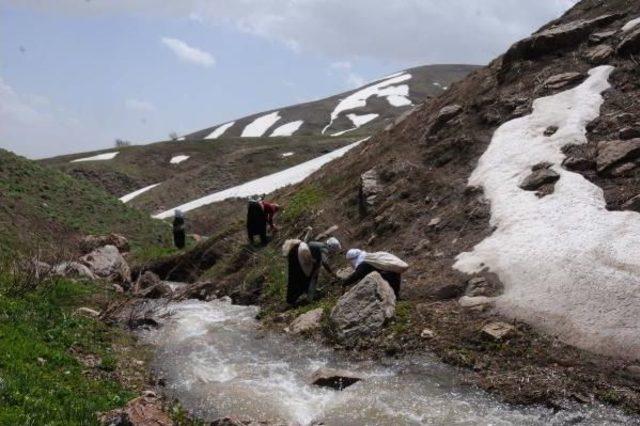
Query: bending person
{"points": [[363, 264]]}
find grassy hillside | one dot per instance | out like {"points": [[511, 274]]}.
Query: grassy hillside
{"points": [[41, 207]]}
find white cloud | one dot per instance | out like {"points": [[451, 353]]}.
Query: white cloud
{"points": [[345, 70], [139, 105], [188, 53]]}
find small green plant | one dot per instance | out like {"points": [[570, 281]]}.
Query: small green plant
{"points": [[302, 202]]}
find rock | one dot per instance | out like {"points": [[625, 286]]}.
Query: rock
{"points": [[326, 233], [107, 262], [578, 164], [632, 204], [117, 288], [73, 270], [147, 280], [614, 153], [623, 170], [630, 44], [624, 118], [560, 81], [334, 378], [472, 302], [157, 291], [344, 272], [599, 54], [539, 178], [92, 313], [444, 116], [237, 421], [433, 223], [633, 372], [307, 322], [447, 291], [369, 189], [601, 36], [226, 299], [363, 310], [477, 287], [201, 291], [427, 334], [142, 411], [627, 133], [554, 39], [498, 330], [92, 242], [550, 131]]}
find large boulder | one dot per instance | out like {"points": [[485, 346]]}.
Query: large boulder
{"points": [[561, 81], [73, 270], [107, 262], [92, 242], [445, 115], [555, 38], [334, 378], [630, 44], [612, 154], [369, 189], [307, 322], [599, 54], [364, 309]]}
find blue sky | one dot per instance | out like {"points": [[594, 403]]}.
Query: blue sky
{"points": [[77, 74]]}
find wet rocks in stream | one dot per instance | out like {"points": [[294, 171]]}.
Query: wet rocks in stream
{"points": [[334, 378], [307, 322]]}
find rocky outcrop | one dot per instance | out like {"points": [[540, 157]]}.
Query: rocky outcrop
{"points": [[142, 411], [632, 204], [364, 309], [73, 270], [307, 322], [369, 189], [630, 44], [538, 178], [93, 242], [107, 262], [561, 81], [334, 378], [445, 115], [555, 38], [627, 133], [614, 154], [601, 36], [599, 54], [578, 163]]}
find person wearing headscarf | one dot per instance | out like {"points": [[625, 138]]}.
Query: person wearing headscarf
{"points": [[357, 258], [179, 231], [303, 274], [261, 213]]}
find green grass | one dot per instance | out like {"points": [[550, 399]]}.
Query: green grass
{"points": [[41, 383], [303, 202]]}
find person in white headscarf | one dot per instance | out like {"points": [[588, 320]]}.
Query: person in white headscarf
{"points": [[358, 261]]}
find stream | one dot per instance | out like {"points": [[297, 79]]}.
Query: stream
{"points": [[217, 361]]}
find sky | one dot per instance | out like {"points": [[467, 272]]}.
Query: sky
{"points": [[75, 75]]}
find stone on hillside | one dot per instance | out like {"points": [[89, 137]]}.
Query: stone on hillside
{"points": [[627, 133], [369, 189], [142, 411], [632, 204], [73, 270], [363, 310], [550, 131], [307, 322], [539, 178], [334, 378], [445, 115], [427, 334], [630, 44], [88, 312], [578, 164], [146, 280], [601, 36], [599, 54], [157, 291], [560, 81], [473, 302], [92, 242], [107, 262], [498, 330], [553, 39], [612, 154], [447, 291], [623, 170]]}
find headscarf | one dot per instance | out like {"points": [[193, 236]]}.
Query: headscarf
{"points": [[333, 245], [356, 257], [178, 213]]}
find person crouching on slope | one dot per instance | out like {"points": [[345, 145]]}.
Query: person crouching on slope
{"points": [[259, 215], [387, 265], [304, 263], [179, 231]]}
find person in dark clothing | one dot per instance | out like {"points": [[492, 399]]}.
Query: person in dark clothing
{"points": [[179, 232], [362, 269], [259, 215], [300, 281]]}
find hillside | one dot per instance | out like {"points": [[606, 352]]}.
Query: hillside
{"points": [[220, 157], [513, 195]]}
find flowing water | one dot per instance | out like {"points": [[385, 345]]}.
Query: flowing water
{"points": [[218, 362]]}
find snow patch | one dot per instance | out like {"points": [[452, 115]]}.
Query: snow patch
{"points": [[260, 125], [361, 120], [99, 157], [134, 194], [569, 265], [395, 95], [287, 129], [179, 159], [631, 25], [265, 184], [342, 132], [219, 131], [287, 154]]}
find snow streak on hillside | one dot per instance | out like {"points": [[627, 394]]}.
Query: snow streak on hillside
{"points": [[100, 157], [134, 194], [568, 264], [219, 131], [287, 129], [260, 125], [266, 184]]}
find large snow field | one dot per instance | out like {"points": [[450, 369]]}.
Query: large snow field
{"points": [[219, 131], [100, 157], [265, 184], [569, 266], [260, 125], [134, 194], [287, 129]]}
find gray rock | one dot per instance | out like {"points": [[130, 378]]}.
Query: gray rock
{"points": [[107, 262], [147, 279], [632, 204], [157, 291], [307, 322], [612, 154], [92, 242], [623, 170], [498, 330], [369, 188], [601, 36], [427, 334], [447, 291], [550, 131], [627, 133], [578, 164], [364, 309], [560, 81], [334, 378], [599, 54], [539, 178], [630, 44], [73, 270], [445, 115], [88, 312]]}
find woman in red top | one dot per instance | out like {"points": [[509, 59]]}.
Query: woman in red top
{"points": [[259, 214]]}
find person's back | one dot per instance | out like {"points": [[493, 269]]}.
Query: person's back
{"points": [[179, 230], [256, 222], [362, 268]]}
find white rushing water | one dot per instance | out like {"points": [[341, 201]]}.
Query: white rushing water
{"points": [[218, 362]]}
